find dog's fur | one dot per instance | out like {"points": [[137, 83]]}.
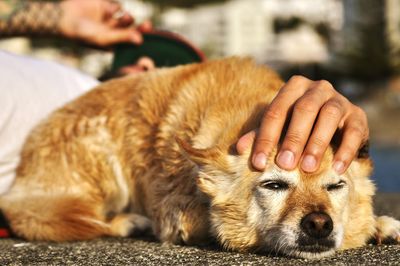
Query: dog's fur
{"points": [[157, 150]]}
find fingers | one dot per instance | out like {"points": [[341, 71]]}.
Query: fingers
{"points": [[146, 63], [143, 64], [112, 36], [125, 20], [355, 134], [305, 112], [129, 70], [328, 121], [317, 112], [101, 22], [146, 26], [120, 19], [111, 9], [115, 16], [274, 119]]}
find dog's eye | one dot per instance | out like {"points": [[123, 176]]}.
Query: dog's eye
{"points": [[336, 186], [275, 185]]}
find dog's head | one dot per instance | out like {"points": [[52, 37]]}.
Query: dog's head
{"points": [[291, 213]]}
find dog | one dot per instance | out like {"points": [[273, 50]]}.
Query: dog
{"points": [[155, 151]]}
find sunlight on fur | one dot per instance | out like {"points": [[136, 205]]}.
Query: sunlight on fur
{"points": [[153, 152]]}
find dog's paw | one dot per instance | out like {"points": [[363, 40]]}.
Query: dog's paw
{"points": [[130, 224], [387, 230]]}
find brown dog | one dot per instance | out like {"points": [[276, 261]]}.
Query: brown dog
{"points": [[156, 150]]}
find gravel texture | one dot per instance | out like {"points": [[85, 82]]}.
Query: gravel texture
{"points": [[119, 251]]}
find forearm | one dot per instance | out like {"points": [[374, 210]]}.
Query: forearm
{"points": [[21, 18]]}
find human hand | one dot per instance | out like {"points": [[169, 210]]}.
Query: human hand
{"points": [[99, 22], [316, 111], [143, 64]]}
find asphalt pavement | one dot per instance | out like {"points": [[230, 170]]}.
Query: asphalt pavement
{"points": [[129, 251]]}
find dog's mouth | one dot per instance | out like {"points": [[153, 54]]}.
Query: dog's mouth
{"points": [[309, 251], [314, 248], [324, 244], [297, 244]]}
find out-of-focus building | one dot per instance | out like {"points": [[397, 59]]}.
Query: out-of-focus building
{"points": [[140, 10], [249, 27], [393, 21], [232, 28], [303, 44], [273, 31], [393, 28], [393, 35]]}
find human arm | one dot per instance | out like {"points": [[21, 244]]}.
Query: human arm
{"points": [[316, 112], [25, 18], [99, 22]]}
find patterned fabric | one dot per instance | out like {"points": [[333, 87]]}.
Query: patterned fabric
{"points": [[29, 18], [7, 7]]}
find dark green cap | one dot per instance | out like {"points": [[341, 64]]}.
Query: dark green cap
{"points": [[164, 48]]}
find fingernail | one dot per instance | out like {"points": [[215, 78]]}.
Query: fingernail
{"points": [[286, 159], [338, 167], [309, 163], [260, 161]]}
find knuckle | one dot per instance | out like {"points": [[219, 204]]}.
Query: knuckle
{"points": [[314, 97], [265, 143], [325, 84], [357, 131], [273, 113], [293, 139], [333, 109], [347, 153], [318, 144], [305, 105], [297, 78]]}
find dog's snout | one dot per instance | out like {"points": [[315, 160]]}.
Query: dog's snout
{"points": [[317, 224]]}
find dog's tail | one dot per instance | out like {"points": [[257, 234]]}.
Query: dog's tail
{"points": [[55, 218]]}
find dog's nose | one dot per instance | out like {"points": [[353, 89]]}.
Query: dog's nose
{"points": [[317, 224]]}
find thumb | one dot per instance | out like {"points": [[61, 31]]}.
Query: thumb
{"points": [[246, 141]]}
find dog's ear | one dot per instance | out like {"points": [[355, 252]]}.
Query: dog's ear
{"points": [[363, 152], [199, 156], [212, 176]]}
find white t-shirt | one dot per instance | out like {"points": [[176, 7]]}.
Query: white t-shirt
{"points": [[29, 90]]}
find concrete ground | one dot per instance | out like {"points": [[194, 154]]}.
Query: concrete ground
{"points": [[118, 251]]}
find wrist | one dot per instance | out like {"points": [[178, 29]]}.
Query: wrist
{"points": [[67, 25]]}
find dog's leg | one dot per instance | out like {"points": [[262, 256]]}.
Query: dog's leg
{"points": [[182, 219], [64, 218], [128, 224], [387, 230]]}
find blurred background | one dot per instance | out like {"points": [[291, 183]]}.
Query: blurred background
{"points": [[355, 44]]}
